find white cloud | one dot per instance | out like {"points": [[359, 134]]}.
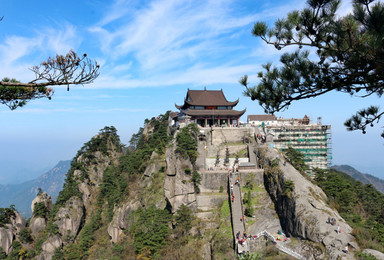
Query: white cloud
{"points": [[169, 42], [168, 32], [200, 74], [60, 40]]}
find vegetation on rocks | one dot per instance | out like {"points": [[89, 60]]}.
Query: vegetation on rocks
{"points": [[196, 179], [187, 142], [150, 229], [126, 204], [297, 159], [40, 210], [6, 214]]}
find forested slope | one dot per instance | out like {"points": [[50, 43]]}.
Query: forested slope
{"points": [[361, 205]]}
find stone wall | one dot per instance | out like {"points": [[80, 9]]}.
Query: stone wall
{"points": [[211, 181], [230, 135]]}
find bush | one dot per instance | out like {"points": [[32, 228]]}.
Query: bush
{"points": [[187, 142], [150, 229], [249, 211], [3, 255], [25, 236], [183, 219], [40, 210], [221, 188], [6, 214], [289, 186], [196, 179]]}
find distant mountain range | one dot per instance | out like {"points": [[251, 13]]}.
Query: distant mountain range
{"points": [[363, 177], [21, 195]]}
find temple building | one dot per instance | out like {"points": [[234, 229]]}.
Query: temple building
{"points": [[208, 108]]}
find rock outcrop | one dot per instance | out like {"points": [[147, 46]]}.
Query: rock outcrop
{"points": [[43, 197], [154, 165], [119, 222], [36, 225], [69, 218], [178, 186], [6, 238], [49, 246], [9, 231], [88, 186], [303, 211], [37, 222], [375, 253], [18, 222]]}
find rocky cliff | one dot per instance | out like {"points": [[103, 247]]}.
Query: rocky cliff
{"points": [[302, 208], [154, 201]]}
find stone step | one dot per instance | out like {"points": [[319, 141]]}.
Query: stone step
{"points": [[205, 215]]}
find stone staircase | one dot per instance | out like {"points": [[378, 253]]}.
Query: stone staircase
{"points": [[237, 215], [239, 225]]}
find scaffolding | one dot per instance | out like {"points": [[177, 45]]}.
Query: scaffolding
{"points": [[314, 141]]}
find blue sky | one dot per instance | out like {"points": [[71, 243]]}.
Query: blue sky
{"points": [[150, 53]]}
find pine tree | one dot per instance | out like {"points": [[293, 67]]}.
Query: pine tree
{"points": [[350, 57]]}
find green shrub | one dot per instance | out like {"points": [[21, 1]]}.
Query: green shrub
{"points": [[196, 179], [289, 186], [3, 255], [40, 210], [150, 229], [6, 214], [249, 211], [25, 236], [187, 142], [183, 219]]}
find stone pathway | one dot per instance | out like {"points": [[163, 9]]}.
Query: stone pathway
{"points": [[237, 214], [239, 225]]}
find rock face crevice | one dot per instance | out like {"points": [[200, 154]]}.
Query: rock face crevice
{"points": [[285, 204]]}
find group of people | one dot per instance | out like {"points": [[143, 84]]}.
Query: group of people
{"points": [[241, 238], [331, 221]]}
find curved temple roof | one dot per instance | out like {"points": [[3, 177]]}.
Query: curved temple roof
{"points": [[206, 98]]}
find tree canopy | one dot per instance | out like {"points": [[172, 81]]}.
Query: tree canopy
{"points": [[349, 57], [69, 69]]}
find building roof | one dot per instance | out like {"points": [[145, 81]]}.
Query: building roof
{"points": [[213, 112], [173, 114], [261, 118], [206, 98]]}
